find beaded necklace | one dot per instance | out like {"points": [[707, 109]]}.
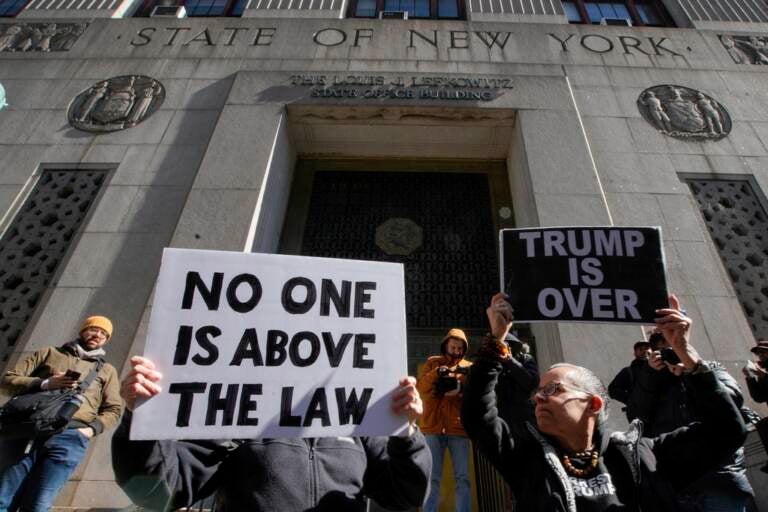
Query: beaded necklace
{"points": [[590, 455]]}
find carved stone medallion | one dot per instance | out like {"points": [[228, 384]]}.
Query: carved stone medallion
{"points": [[399, 236], [746, 49], [39, 37], [117, 103], [684, 113]]}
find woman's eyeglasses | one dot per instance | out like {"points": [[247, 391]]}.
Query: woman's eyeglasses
{"points": [[554, 388]]}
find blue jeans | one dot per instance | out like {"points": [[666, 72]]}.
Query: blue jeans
{"points": [[459, 448], [31, 485]]}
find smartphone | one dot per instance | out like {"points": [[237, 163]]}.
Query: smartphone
{"points": [[72, 374], [669, 356]]}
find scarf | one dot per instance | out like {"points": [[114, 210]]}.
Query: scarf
{"points": [[88, 355]]}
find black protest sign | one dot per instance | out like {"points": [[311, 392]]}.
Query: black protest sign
{"points": [[584, 274]]}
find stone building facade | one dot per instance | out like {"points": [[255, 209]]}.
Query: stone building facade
{"points": [[297, 127]]}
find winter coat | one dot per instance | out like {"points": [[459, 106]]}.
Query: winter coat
{"points": [[442, 414], [102, 407], [518, 379], [758, 388], [333, 474], [665, 402], [620, 388], [646, 472]]}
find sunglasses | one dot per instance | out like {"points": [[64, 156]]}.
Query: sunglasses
{"points": [[554, 388]]}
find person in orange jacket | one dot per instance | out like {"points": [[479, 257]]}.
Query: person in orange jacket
{"points": [[440, 385]]}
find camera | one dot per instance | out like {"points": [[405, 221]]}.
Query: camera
{"points": [[668, 356], [447, 379]]}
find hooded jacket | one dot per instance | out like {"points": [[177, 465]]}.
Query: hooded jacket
{"points": [[332, 474], [647, 472], [103, 405], [442, 414]]}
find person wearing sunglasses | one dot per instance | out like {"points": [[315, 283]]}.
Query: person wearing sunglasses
{"points": [[567, 461]]}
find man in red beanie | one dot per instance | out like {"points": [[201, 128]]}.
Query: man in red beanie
{"points": [[440, 385], [32, 483]]}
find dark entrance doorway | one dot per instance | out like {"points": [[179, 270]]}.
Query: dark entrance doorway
{"points": [[439, 219]]}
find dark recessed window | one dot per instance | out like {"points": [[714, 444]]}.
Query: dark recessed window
{"points": [[10, 8], [650, 13], [215, 7], [572, 11], [197, 7], [422, 9]]}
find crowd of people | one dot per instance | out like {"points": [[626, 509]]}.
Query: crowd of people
{"points": [[546, 434]]}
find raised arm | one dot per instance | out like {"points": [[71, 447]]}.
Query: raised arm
{"points": [[685, 454], [479, 413]]}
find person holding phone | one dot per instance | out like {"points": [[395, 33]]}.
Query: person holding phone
{"points": [[32, 483], [664, 400]]}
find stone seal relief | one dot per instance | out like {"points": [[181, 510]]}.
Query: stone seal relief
{"points": [[746, 49], [684, 113], [399, 236], [39, 37], [116, 103]]}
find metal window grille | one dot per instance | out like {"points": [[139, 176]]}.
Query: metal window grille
{"points": [[736, 217], [35, 243]]}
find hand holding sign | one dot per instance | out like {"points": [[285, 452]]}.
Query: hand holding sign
{"points": [[142, 382], [406, 400], [499, 316]]}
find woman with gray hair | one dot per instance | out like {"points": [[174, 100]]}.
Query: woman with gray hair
{"points": [[567, 461]]}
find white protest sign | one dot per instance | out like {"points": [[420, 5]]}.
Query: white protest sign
{"points": [[264, 345]]}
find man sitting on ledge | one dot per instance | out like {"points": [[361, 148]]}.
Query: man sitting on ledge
{"points": [[567, 461]]}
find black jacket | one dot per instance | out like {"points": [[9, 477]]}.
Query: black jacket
{"points": [[518, 379], [758, 388], [645, 471], [665, 402], [620, 388], [324, 474]]}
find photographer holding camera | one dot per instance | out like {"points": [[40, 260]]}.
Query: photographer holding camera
{"points": [[441, 388], [664, 400]]}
